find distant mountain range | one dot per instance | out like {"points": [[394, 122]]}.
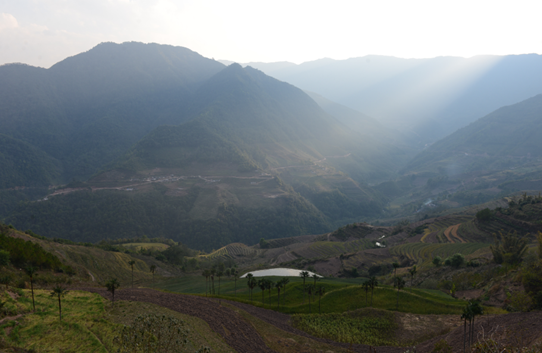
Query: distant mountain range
{"points": [[430, 97], [232, 148], [140, 139]]}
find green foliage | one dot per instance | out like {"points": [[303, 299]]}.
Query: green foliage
{"points": [[264, 244], [509, 249], [154, 333], [437, 261], [455, 261], [484, 215], [23, 252], [4, 258], [93, 216], [370, 327], [442, 347]]}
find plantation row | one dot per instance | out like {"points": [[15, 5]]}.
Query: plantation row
{"points": [[330, 249], [230, 251], [415, 251]]}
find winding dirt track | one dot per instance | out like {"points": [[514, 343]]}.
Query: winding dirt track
{"points": [[237, 333], [243, 337]]}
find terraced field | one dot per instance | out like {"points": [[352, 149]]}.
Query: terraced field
{"points": [[435, 232], [426, 252], [325, 249], [234, 250]]}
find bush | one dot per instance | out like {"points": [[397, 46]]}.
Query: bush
{"points": [[455, 261], [442, 347], [484, 215], [437, 261], [509, 249]]}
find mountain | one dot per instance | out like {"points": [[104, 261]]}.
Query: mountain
{"points": [[430, 97], [235, 156], [24, 164], [506, 138], [88, 109]]}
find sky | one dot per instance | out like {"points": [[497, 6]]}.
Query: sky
{"points": [[43, 32]]}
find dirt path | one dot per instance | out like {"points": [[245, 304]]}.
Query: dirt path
{"points": [[237, 333], [451, 232], [454, 232]]}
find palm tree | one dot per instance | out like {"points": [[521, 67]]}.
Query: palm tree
{"points": [[285, 281], [59, 292], [309, 290], [373, 283], [475, 309], [219, 274], [263, 286], [366, 285], [153, 268], [320, 292], [213, 272], [278, 285], [412, 272], [252, 283], [269, 284], [315, 278], [400, 283], [304, 275], [112, 285], [206, 273], [31, 272], [467, 315], [234, 273], [395, 267], [132, 263]]}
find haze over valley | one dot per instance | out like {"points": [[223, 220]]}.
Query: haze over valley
{"points": [[144, 186]]}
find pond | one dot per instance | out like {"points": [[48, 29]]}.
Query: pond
{"points": [[281, 272]]}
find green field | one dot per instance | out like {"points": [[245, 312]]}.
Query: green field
{"points": [[426, 252], [341, 295], [152, 246], [89, 323]]}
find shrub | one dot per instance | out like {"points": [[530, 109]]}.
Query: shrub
{"points": [[484, 215], [455, 261], [442, 347], [509, 249], [437, 261]]}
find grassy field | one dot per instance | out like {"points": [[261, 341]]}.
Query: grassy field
{"points": [[423, 252], [89, 323], [152, 246], [341, 295]]}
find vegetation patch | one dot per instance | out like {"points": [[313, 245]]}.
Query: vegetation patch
{"points": [[364, 326]]}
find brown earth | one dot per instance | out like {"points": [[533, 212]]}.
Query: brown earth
{"points": [[517, 329]]}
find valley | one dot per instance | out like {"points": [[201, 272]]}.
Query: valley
{"points": [[141, 179]]}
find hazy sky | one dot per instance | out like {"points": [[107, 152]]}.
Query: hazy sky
{"points": [[42, 32]]}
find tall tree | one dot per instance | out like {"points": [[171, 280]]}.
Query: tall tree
{"points": [[269, 284], [320, 292], [412, 272], [315, 278], [475, 309], [31, 272], [366, 286], [310, 290], [132, 263], [278, 285], [59, 291], [213, 273], [374, 283], [153, 268], [252, 283], [285, 281], [235, 274], [304, 275], [206, 273], [395, 267], [219, 274], [466, 315], [112, 285], [263, 285], [400, 283]]}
